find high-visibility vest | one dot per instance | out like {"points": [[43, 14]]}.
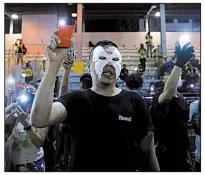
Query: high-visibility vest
{"points": [[149, 39], [28, 72], [18, 47], [158, 52], [142, 53]]}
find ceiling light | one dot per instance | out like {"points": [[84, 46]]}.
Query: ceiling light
{"points": [[14, 16], [74, 15], [157, 14]]}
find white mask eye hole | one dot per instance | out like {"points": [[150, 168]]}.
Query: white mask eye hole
{"points": [[102, 58], [115, 59]]}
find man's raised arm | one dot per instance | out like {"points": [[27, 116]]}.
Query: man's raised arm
{"points": [[183, 56], [44, 112]]}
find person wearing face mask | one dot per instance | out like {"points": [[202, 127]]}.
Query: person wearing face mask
{"points": [[26, 152], [170, 115], [106, 122]]}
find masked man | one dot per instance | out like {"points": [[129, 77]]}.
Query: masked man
{"points": [[106, 122]]}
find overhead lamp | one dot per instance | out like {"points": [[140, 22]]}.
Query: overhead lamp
{"points": [[14, 16], [157, 14], [74, 15]]}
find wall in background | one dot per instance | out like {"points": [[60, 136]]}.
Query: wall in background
{"points": [[37, 30], [129, 39]]}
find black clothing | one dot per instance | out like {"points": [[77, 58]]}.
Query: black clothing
{"points": [[171, 133], [124, 74], [104, 129], [143, 63]]}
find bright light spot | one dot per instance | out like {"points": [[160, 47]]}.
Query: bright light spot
{"points": [[135, 69], [14, 16], [62, 22], [192, 85], [74, 15], [157, 14], [152, 89], [23, 98], [11, 80], [183, 39], [23, 75]]}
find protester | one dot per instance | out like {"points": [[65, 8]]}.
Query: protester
{"points": [[25, 142], [105, 121], [170, 114], [134, 83], [194, 115], [85, 81], [20, 51], [142, 52], [124, 72], [149, 44]]}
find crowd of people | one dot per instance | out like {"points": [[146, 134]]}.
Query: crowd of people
{"points": [[101, 128]]}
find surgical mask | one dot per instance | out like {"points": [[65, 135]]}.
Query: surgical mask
{"points": [[110, 55]]}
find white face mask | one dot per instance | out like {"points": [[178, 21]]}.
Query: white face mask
{"points": [[109, 53], [179, 84]]}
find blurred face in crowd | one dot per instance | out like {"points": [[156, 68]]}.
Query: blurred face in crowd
{"points": [[124, 66], [18, 41], [141, 46], [166, 76], [105, 64]]}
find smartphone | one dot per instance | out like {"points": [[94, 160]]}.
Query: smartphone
{"points": [[65, 33]]}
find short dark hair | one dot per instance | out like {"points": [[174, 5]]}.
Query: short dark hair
{"points": [[134, 81], [102, 44], [86, 81], [165, 68]]}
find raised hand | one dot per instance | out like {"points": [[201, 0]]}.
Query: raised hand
{"points": [[56, 55], [184, 54], [22, 116], [67, 64]]}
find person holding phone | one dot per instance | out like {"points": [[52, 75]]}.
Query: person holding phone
{"points": [[106, 122], [27, 153]]}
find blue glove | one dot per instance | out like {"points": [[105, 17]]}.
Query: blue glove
{"points": [[184, 54]]}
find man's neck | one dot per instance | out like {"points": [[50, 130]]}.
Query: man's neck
{"points": [[103, 90]]}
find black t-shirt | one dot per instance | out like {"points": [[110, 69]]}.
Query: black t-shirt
{"points": [[105, 129], [170, 122]]}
